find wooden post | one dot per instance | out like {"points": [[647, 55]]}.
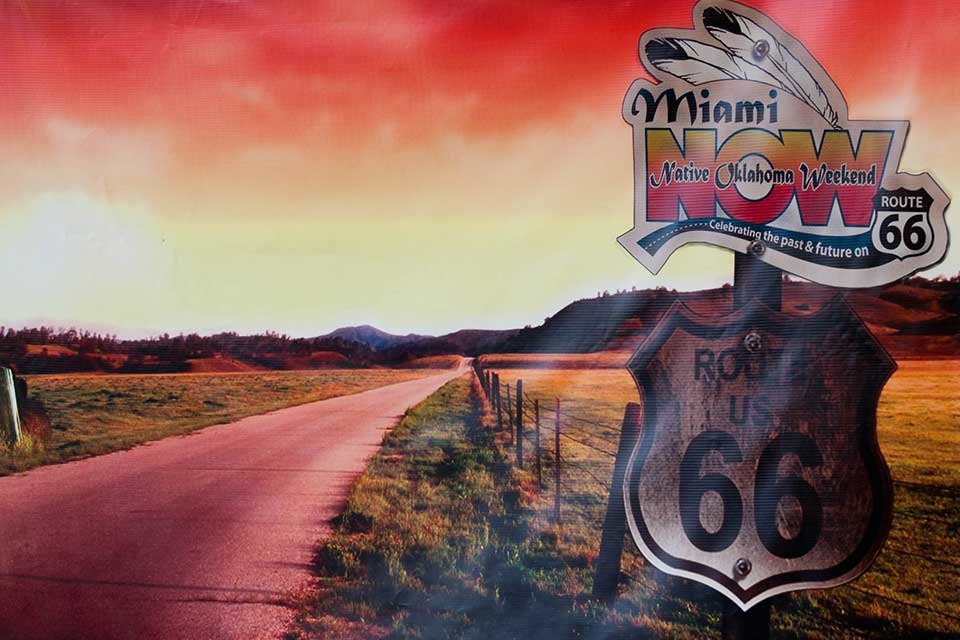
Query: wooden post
{"points": [[751, 279], [509, 414], [9, 414], [496, 387], [556, 465], [606, 577], [520, 423], [536, 420]]}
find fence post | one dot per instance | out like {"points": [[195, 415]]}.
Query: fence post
{"points": [[607, 574], [9, 414], [509, 413], [556, 466], [536, 420], [496, 387], [520, 423]]}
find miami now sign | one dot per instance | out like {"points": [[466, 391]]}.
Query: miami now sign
{"points": [[745, 143]]}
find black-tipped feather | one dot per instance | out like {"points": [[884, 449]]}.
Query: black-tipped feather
{"points": [[740, 35], [697, 63], [720, 19]]}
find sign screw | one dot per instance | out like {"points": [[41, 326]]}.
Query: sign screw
{"points": [[756, 248], [752, 342], [761, 49], [741, 568]]}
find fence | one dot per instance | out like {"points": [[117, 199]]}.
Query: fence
{"points": [[553, 432], [538, 431]]}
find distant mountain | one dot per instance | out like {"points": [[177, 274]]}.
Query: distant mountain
{"points": [[374, 338], [468, 342], [913, 318], [593, 324]]}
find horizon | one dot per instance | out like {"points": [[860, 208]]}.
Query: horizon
{"points": [[60, 329], [222, 167]]}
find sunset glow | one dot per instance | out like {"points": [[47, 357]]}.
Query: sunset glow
{"points": [[421, 166]]}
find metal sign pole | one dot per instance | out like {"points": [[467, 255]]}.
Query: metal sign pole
{"points": [[755, 279], [726, 399], [751, 279]]}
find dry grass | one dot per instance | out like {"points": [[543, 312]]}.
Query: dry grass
{"points": [[94, 414], [432, 362], [413, 556], [919, 429], [598, 360], [50, 350]]}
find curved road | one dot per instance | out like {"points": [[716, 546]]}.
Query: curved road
{"points": [[200, 536]]}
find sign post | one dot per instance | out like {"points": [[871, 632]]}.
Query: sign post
{"points": [[9, 414], [751, 279], [757, 470]]}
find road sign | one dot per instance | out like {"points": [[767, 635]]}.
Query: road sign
{"points": [[745, 142], [757, 471]]}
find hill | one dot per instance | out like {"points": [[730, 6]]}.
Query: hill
{"points": [[373, 337], [914, 318], [467, 342]]}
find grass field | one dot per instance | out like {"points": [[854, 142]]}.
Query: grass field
{"points": [[444, 537], [94, 414], [598, 360], [916, 574]]}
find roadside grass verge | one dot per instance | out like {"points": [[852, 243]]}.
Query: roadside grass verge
{"points": [[95, 414], [433, 541]]}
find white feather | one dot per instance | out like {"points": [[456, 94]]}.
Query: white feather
{"points": [[706, 63], [779, 62]]}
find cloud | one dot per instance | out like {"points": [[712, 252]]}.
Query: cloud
{"points": [[105, 153]]}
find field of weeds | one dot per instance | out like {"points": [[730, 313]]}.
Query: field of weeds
{"points": [[913, 590], [94, 414], [444, 537]]}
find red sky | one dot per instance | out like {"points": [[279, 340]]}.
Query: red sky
{"points": [[209, 129]]}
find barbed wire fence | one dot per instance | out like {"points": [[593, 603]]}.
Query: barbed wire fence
{"points": [[538, 432], [544, 434]]}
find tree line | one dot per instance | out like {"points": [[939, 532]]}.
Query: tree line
{"points": [[48, 350]]}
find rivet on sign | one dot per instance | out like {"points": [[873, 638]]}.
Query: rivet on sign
{"points": [[752, 342], [761, 49], [756, 248], [741, 568]]}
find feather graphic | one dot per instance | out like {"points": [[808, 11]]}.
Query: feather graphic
{"points": [[698, 63], [740, 35]]}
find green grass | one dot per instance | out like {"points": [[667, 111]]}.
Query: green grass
{"points": [[406, 552], [95, 414]]}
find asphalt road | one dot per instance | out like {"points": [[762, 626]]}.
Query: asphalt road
{"points": [[200, 536]]}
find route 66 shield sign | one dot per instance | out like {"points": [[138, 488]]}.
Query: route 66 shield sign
{"points": [[757, 470]]}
